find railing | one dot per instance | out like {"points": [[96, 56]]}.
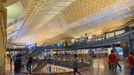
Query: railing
{"points": [[123, 33], [111, 40], [60, 73], [124, 36]]}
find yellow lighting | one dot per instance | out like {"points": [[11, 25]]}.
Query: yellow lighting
{"points": [[54, 20], [124, 5], [11, 28]]}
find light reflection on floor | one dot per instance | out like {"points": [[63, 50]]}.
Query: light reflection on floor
{"points": [[100, 67], [9, 68]]}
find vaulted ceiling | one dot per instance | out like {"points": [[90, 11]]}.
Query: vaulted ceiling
{"points": [[53, 20]]}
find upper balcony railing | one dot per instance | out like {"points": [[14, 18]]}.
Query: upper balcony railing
{"points": [[123, 33]]}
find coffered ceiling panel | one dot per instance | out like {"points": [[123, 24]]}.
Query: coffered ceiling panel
{"points": [[82, 8], [48, 20]]}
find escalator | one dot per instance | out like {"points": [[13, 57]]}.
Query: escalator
{"points": [[93, 44], [35, 51], [38, 65]]}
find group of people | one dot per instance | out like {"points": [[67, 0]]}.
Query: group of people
{"points": [[113, 59], [17, 59]]}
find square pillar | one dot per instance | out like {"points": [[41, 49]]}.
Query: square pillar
{"points": [[124, 45], [131, 44]]}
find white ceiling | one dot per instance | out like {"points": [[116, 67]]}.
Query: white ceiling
{"points": [[52, 20]]}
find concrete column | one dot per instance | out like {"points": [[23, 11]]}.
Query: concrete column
{"points": [[3, 18], [127, 28], [131, 44], [124, 45], [105, 36]]}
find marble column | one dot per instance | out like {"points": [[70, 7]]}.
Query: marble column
{"points": [[3, 18]]}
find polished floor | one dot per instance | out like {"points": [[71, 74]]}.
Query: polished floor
{"points": [[99, 67]]}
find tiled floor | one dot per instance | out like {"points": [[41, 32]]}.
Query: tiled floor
{"points": [[99, 67]]}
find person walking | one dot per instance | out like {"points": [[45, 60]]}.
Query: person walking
{"points": [[17, 63], [130, 60], [117, 61], [75, 65], [118, 64], [29, 64], [112, 61], [11, 60]]}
